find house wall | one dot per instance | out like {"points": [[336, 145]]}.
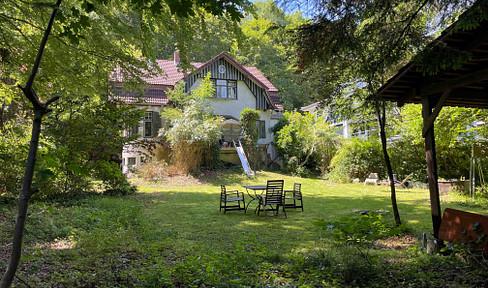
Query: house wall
{"points": [[232, 107], [230, 73], [245, 99], [132, 151]]}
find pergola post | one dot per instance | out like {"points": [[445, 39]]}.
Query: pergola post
{"points": [[430, 157]]}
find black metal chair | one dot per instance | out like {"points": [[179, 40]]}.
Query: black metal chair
{"points": [[295, 196], [231, 200], [272, 197]]}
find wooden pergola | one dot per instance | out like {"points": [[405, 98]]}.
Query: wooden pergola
{"points": [[466, 86]]}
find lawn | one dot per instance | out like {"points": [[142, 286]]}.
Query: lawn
{"points": [[172, 235]]}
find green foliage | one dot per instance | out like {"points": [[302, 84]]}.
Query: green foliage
{"points": [[194, 129], [14, 144], [267, 44], [455, 136], [262, 39], [357, 158], [307, 143], [89, 40], [84, 144], [362, 229], [249, 118]]}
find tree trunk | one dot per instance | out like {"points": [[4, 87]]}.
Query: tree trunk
{"points": [[381, 114], [25, 195], [40, 109]]}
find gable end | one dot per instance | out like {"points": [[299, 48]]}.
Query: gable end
{"points": [[231, 73]]}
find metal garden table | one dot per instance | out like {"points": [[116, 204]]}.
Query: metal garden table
{"points": [[254, 196]]}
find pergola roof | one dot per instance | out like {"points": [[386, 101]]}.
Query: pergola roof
{"points": [[468, 84]]}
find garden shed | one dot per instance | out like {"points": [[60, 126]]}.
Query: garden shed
{"points": [[465, 46]]}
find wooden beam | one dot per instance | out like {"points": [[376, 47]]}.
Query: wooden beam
{"points": [[407, 68], [430, 158], [479, 40], [409, 95], [429, 122], [458, 82]]}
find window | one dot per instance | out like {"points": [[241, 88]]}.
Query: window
{"points": [[148, 124], [131, 161], [225, 89], [261, 129], [143, 161]]}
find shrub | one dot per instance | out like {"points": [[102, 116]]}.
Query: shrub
{"points": [[306, 142], [14, 145], [195, 130], [249, 117], [157, 171], [357, 158]]}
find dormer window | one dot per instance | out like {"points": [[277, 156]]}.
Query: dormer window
{"points": [[225, 89]]}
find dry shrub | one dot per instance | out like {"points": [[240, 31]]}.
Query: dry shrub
{"points": [[157, 171], [162, 153], [187, 157]]}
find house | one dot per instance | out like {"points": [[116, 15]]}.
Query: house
{"points": [[344, 127], [236, 87]]}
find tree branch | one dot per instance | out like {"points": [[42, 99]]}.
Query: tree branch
{"points": [[400, 37], [37, 62]]}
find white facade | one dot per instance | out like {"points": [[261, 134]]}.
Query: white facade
{"points": [[245, 99], [237, 87]]}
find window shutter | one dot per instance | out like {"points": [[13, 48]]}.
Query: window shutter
{"points": [[156, 123]]}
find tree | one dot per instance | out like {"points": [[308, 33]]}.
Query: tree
{"points": [[83, 34], [364, 42], [267, 44], [455, 136]]}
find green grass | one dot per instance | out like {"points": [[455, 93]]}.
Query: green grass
{"points": [[175, 236]]}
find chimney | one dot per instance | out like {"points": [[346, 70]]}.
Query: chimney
{"points": [[176, 57]]}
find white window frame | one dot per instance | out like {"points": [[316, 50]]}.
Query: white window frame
{"points": [[225, 89]]}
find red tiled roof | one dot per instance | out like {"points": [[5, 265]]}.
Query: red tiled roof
{"points": [[275, 100], [152, 95], [171, 74], [254, 71]]}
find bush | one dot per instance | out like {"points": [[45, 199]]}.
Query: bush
{"points": [[195, 129], [357, 158], [14, 145], [306, 142], [157, 171]]}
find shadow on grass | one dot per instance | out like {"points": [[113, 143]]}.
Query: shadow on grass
{"points": [[194, 217]]}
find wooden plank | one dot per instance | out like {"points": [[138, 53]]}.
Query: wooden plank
{"points": [[458, 82], [406, 97], [463, 227]]}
